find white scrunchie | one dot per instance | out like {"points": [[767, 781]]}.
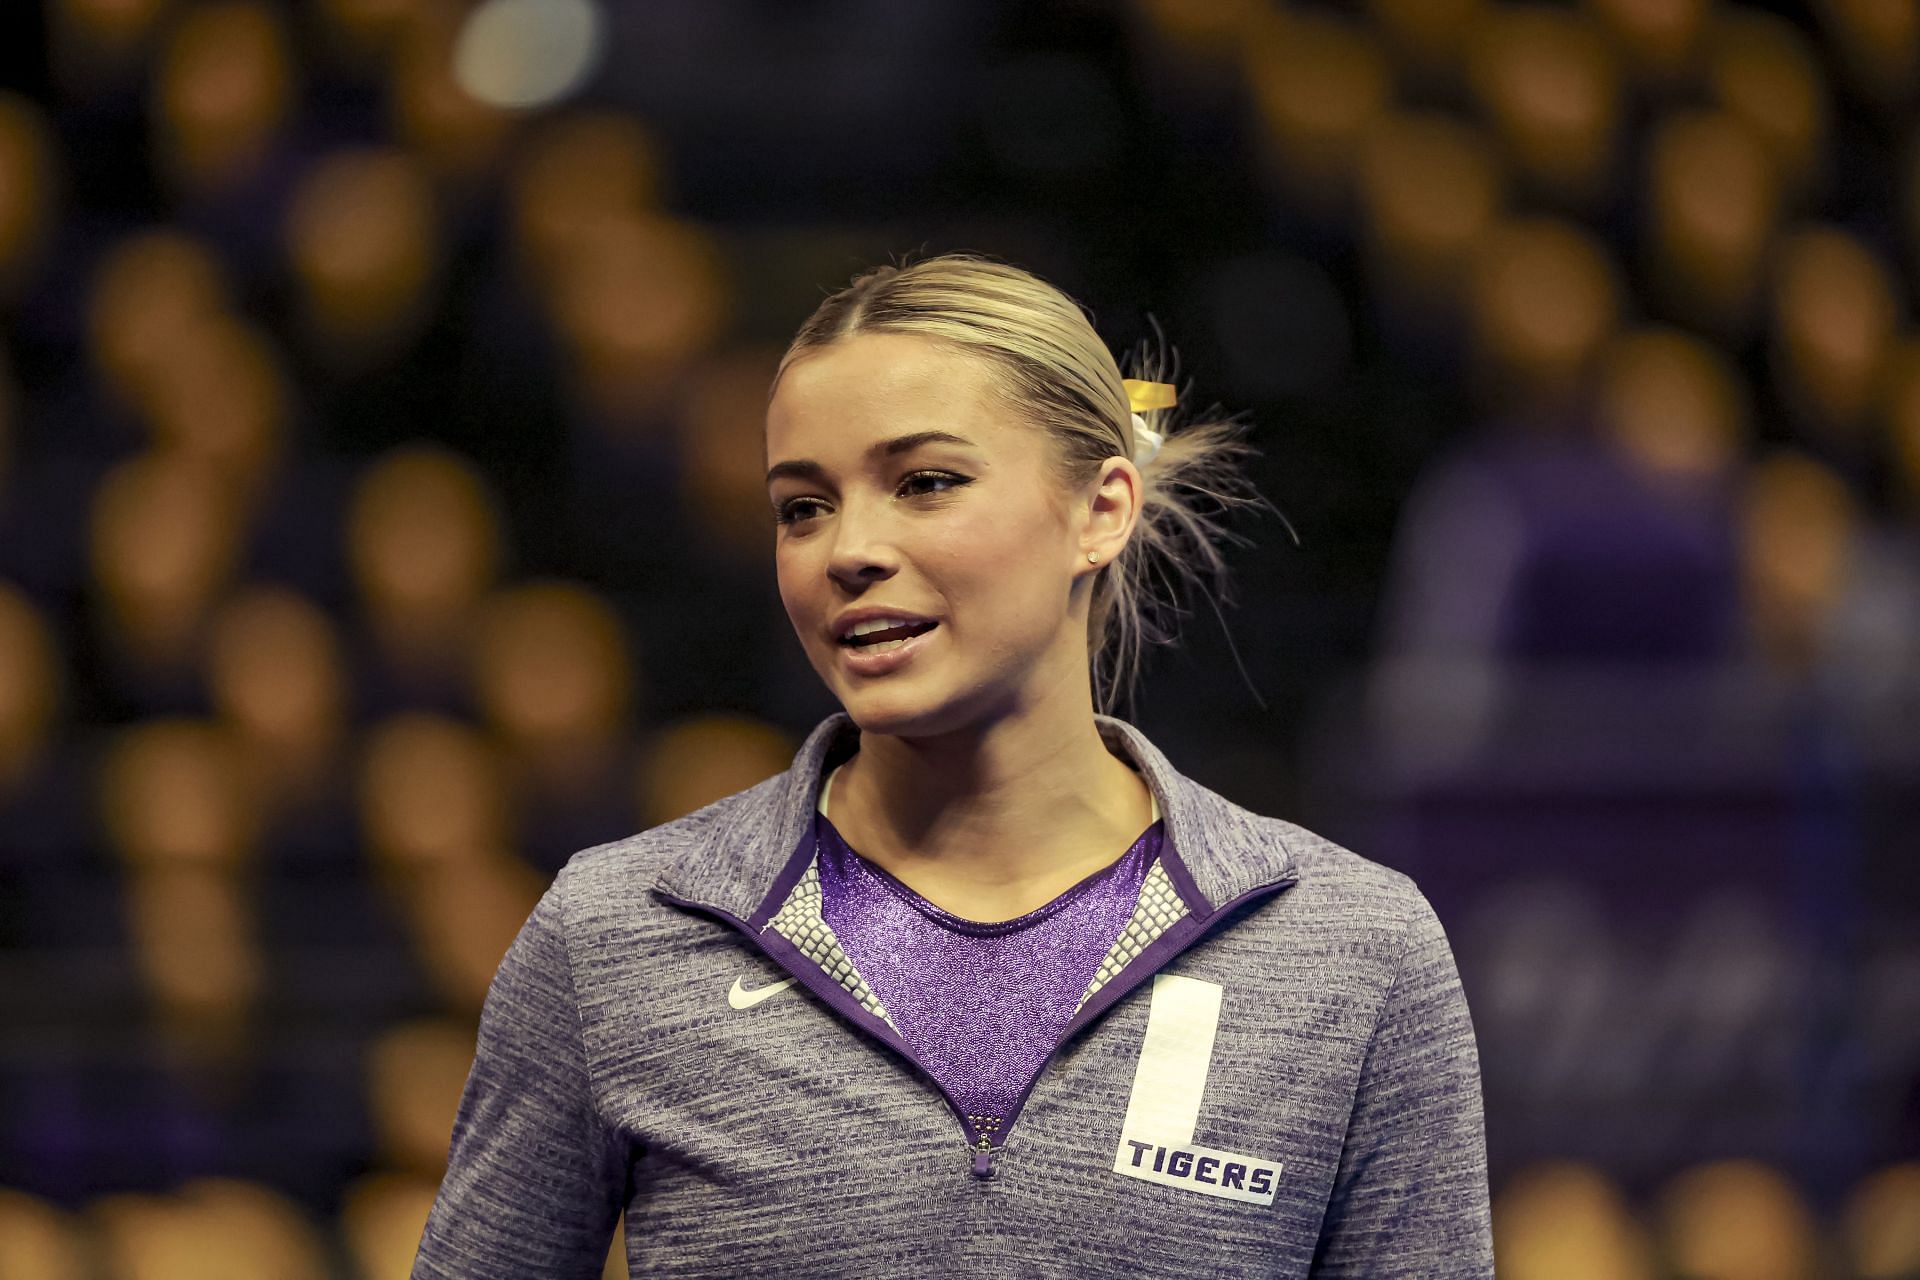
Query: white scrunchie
{"points": [[1147, 441]]}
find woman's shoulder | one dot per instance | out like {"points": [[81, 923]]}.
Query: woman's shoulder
{"points": [[634, 863], [1338, 903], [1342, 870], [1264, 843], [1355, 898]]}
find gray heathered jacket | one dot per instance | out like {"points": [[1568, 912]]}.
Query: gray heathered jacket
{"points": [[1273, 1074]]}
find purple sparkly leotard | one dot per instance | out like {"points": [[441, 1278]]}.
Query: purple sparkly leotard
{"points": [[980, 1005]]}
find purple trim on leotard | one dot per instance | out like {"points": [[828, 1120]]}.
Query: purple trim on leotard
{"points": [[981, 1005]]}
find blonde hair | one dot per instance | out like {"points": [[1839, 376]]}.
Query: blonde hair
{"points": [[1053, 367]]}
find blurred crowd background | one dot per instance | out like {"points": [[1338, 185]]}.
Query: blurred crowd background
{"points": [[382, 521]]}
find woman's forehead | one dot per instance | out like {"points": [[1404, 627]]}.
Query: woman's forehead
{"points": [[879, 367], [884, 383]]}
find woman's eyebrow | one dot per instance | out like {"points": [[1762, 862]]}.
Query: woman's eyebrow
{"points": [[808, 469]]}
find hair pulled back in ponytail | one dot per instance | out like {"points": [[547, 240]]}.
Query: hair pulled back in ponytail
{"points": [[1053, 367]]}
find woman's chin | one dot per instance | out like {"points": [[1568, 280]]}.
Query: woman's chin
{"points": [[890, 713], [929, 713], [901, 712]]}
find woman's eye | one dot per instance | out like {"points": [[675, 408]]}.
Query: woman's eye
{"points": [[920, 478], [919, 484], [792, 512]]}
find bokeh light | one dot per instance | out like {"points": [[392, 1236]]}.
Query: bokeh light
{"points": [[383, 522]]}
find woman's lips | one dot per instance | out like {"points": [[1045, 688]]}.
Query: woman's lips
{"points": [[879, 660]]}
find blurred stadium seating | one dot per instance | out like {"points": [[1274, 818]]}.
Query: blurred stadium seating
{"points": [[381, 523]]}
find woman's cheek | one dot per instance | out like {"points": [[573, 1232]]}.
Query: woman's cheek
{"points": [[979, 540], [804, 608], [985, 568]]}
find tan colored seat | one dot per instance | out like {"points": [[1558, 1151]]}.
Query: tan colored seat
{"points": [[1900, 410], [462, 920], [39, 1241], [1563, 1220], [209, 1229], [435, 814], [384, 1214], [1835, 310], [31, 688], [1737, 1220], [1207, 35], [9, 428], [363, 241], [1713, 203], [1542, 299], [381, 1218], [635, 302], [196, 946], [221, 90], [415, 1075], [220, 397], [179, 812], [702, 758], [260, 1232], [722, 424], [1798, 534], [432, 794], [1880, 1224], [1878, 43], [424, 544], [277, 678], [554, 675], [1428, 38], [175, 794], [1673, 402], [365, 33], [454, 133], [1661, 39], [1765, 71], [29, 190], [165, 542], [1317, 83], [577, 171], [1547, 81], [95, 43], [149, 290], [1430, 188], [146, 1237]]}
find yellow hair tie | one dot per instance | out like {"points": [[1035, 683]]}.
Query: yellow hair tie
{"points": [[1143, 395]]}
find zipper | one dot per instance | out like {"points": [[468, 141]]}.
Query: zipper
{"points": [[982, 1150]]}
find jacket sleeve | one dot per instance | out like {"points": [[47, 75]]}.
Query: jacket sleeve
{"points": [[535, 1180], [1410, 1195]]}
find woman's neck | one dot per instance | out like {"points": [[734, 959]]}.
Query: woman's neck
{"points": [[990, 826]]}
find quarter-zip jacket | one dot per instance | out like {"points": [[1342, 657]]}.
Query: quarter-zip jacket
{"points": [[1272, 1074]]}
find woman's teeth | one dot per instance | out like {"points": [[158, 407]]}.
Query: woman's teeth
{"points": [[896, 634]]}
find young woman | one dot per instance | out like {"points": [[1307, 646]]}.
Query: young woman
{"points": [[1030, 1001]]}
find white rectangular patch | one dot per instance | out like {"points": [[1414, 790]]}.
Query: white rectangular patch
{"points": [[1175, 1057], [1201, 1169], [1156, 1139]]}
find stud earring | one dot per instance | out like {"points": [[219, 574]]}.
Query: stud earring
{"points": [[1092, 558]]}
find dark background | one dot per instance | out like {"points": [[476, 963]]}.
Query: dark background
{"points": [[1602, 619]]}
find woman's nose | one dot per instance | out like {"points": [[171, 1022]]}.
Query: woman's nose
{"points": [[864, 549]]}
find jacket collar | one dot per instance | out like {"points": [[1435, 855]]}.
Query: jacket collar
{"points": [[747, 853]]}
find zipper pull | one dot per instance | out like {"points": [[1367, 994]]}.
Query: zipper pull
{"points": [[983, 1153]]}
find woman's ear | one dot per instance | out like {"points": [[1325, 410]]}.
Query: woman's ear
{"points": [[1112, 508]]}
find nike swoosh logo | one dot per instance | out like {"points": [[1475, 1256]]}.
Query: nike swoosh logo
{"points": [[741, 998]]}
